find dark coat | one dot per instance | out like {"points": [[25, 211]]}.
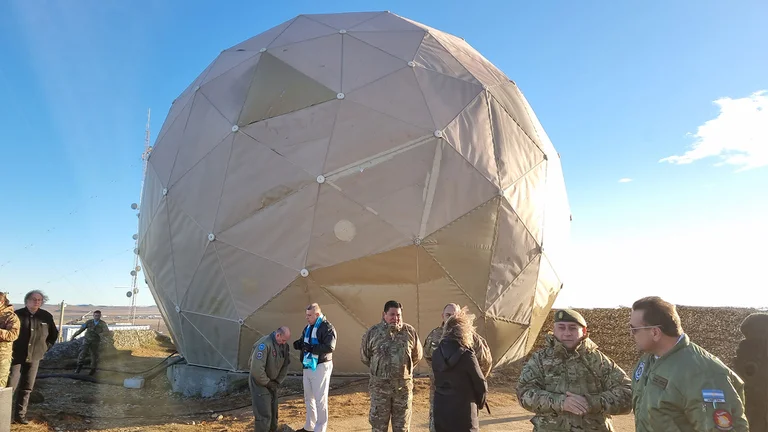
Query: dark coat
{"points": [[37, 334], [326, 337], [460, 388]]}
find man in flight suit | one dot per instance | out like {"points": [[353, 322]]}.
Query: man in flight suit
{"points": [[268, 367]]}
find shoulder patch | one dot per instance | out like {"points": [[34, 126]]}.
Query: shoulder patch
{"points": [[639, 371], [259, 355], [261, 347], [723, 420], [713, 395]]}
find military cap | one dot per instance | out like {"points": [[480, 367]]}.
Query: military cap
{"points": [[570, 315]]}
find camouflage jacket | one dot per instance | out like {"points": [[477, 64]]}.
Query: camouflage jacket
{"points": [[554, 370], [269, 360], [9, 330], [479, 346], [93, 331], [687, 390], [389, 352]]}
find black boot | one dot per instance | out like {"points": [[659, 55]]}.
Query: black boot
{"points": [[92, 372], [21, 420], [78, 369]]}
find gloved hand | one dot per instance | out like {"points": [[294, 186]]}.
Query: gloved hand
{"points": [[272, 385], [297, 345], [308, 348]]}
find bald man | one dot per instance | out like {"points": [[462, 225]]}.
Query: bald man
{"points": [[269, 365]]}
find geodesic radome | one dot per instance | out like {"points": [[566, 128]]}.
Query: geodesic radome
{"points": [[350, 159]]}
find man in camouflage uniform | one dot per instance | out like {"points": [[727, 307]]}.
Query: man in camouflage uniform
{"points": [[677, 385], [391, 350], [752, 366], [570, 384], [479, 346], [93, 329], [9, 332], [268, 367]]}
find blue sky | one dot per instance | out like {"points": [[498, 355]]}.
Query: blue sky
{"points": [[619, 86]]}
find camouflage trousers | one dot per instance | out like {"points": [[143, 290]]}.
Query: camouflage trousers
{"points": [[5, 370], [391, 399], [86, 347]]}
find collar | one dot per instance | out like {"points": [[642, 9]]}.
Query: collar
{"points": [[678, 346]]}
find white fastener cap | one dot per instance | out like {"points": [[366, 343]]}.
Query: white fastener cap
{"points": [[340, 96], [412, 63], [165, 191], [438, 134], [211, 237], [321, 179], [342, 31], [304, 272], [263, 50], [235, 128]]}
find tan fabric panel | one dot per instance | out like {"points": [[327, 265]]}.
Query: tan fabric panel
{"points": [[514, 249], [458, 188], [472, 60], [470, 133], [198, 192], [318, 58], [513, 301], [402, 45], [501, 336], [188, 243], [205, 129], [184, 99], [343, 231], [509, 97], [436, 290], [364, 64], [464, 248], [156, 255], [361, 133], [301, 29], [446, 96], [151, 196], [301, 137], [252, 280], [433, 56], [517, 351], [225, 62], [280, 232], [278, 89], [210, 342], [395, 187], [262, 40], [547, 288], [210, 294], [528, 197], [515, 152], [166, 147], [343, 21], [386, 22], [248, 338], [397, 95], [227, 92], [167, 309], [257, 178]]}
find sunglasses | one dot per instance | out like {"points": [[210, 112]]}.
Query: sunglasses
{"points": [[634, 330]]}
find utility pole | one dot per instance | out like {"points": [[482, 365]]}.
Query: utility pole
{"points": [[61, 320]]}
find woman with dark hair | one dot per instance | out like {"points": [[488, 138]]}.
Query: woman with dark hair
{"points": [[460, 388]]}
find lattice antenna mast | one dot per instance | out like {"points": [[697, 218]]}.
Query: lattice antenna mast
{"points": [[136, 267]]}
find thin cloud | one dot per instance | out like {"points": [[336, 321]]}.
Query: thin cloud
{"points": [[625, 180], [738, 136]]}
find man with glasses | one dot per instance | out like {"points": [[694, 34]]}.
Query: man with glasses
{"points": [[570, 384], [677, 385]]}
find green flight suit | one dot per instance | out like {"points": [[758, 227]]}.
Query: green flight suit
{"points": [[687, 390], [268, 368]]}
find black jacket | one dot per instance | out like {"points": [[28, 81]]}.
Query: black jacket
{"points": [[37, 334], [460, 388], [326, 336]]}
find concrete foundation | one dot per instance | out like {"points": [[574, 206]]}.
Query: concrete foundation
{"points": [[199, 381], [6, 398]]}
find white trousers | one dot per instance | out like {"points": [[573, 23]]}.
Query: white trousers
{"points": [[316, 385]]}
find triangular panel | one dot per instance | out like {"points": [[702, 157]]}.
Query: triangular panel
{"points": [[514, 249], [248, 338], [433, 56], [227, 92], [446, 96], [343, 21], [472, 60], [262, 40], [210, 295], [319, 59], [514, 301], [343, 230], [302, 29], [511, 99], [517, 351], [301, 137], [257, 178], [278, 89], [386, 22], [155, 251], [363, 64], [225, 62], [394, 187], [456, 188], [528, 199], [436, 290], [198, 192], [516, 153], [168, 312], [502, 335], [280, 232], [188, 242], [206, 128], [464, 248], [252, 280], [150, 200], [403, 45], [547, 288], [165, 149], [471, 135], [397, 95], [210, 341], [361, 133]]}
